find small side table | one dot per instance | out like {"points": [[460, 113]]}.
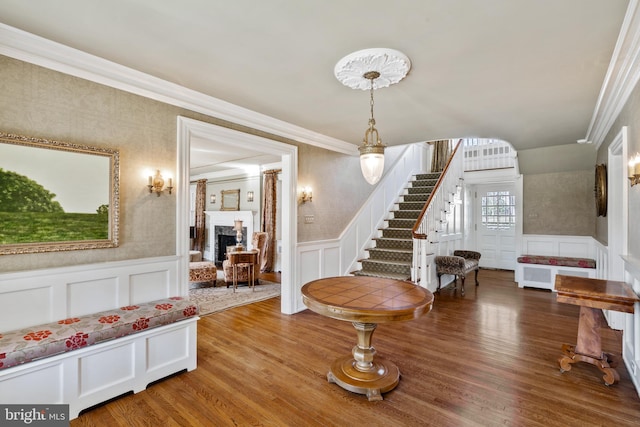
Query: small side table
{"points": [[244, 259], [592, 295]]}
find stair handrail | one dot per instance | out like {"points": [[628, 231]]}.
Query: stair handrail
{"points": [[438, 201]]}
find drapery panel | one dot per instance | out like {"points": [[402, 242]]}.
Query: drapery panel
{"points": [[268, 223], [441, 153], [201, 196]]}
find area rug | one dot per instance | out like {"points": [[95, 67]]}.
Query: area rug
{"points": [[212, 299]]}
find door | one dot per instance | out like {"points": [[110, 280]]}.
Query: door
{"points": [[495, 225]]}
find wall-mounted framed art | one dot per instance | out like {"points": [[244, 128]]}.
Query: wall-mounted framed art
{"points": [[57, 196]]}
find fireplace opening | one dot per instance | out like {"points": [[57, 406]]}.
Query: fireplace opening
{"points": [[224, 241]]}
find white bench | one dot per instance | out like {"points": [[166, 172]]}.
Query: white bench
{"points": [[544, 256], [104, 368], [539, 271], [86, 360]]}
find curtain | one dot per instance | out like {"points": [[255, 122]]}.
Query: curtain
{"points": [[441, 153], [201, 196], [268, 224]]}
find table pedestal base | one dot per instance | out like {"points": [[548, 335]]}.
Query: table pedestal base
{"points": [[383, 377], [589, 349], [364, 373], [606, 363]]}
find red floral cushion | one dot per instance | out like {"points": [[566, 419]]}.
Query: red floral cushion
{"points": [[557, 260], [25, 345]]}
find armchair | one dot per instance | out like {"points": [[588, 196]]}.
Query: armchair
{"points": [[459, 264]]}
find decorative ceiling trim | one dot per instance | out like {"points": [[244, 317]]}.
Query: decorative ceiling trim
{"points": [[622, 76], [36, 50], [392, 66]]}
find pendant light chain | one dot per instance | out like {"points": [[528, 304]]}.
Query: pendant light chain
{"points": [[372, 121]]}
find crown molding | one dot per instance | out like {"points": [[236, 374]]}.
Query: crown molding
{"points": [[621, 77], [36, 50]]}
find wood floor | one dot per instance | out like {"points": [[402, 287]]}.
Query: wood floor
{"points": [[486, 359]]}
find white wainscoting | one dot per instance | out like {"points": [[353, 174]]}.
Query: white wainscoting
{"points": [[35, 297], [631, 331]]}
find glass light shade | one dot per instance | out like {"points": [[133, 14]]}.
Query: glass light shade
{"points": [[372, 165]]}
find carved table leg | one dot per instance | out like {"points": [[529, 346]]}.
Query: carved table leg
{"points": [[362, 373], [589, 349]]}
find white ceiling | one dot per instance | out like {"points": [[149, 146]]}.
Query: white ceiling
{"points": [[525, 71]]}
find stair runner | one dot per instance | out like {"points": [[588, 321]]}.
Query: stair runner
{"points": [[392, 255]]}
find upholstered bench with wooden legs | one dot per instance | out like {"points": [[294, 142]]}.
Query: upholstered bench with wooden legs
{"points": [[459, 264]]}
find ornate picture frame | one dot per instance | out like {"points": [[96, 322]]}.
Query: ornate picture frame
{"points": [[601, 190], [230, 200], [57, 196]]}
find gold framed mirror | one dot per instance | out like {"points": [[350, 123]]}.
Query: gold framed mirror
{"points": [[57, 196], [230, 200]]}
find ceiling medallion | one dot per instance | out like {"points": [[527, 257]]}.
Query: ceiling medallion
{"points": [[392, 65]]}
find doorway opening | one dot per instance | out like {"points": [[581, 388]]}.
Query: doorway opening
{"points": [[189, 129]]}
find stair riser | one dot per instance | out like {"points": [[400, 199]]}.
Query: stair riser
{"points": [[419, 198], [401, 223], [424, 183], [397, 233], [382, 255], [394, 244], [420, 190], [423, 176], [386, 268], [412, 206], [407, 214]]}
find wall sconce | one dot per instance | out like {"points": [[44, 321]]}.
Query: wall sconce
{"points": [[156, 184], [307, 194], [249, 196], [634, 170], [212, 199]]}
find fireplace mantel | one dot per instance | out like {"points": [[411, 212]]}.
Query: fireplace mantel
{"points": [[226, 218]]}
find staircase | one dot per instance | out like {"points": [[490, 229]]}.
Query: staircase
{"points": [[393, 252]]}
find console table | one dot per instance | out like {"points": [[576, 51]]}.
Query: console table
{"points": [[366, 301], [245, 259], [592, 295]]}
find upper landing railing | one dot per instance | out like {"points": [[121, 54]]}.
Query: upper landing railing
{"points": [[486, 154]]}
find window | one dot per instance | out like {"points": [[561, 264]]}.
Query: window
{"points": [[498, 210]]}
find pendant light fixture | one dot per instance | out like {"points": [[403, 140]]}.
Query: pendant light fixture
{"points": [[372, 69]]}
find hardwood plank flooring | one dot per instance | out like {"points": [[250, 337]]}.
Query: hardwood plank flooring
{"points": [[486, 359]]}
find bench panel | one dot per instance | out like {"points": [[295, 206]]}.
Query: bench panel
{"points": [[42, 385], [109, 368]]}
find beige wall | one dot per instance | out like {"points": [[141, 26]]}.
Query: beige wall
{"points": [[559, 203], [38, 102]]}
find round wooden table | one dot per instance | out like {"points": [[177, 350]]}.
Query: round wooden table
{"points": [[366, 301]]}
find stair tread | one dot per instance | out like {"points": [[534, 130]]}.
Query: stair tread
{"points": [[390, 250], [392, 238], [386, 261]]}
